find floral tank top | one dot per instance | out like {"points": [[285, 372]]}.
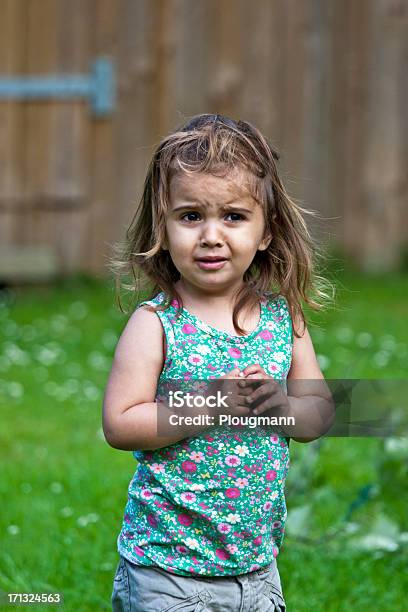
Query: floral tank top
{"points": [[212, 504]]}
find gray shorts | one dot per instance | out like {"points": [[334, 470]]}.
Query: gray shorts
{"points": [[152, 589]]}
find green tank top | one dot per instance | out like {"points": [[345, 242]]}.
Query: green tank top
{"points": [[212, 504]]}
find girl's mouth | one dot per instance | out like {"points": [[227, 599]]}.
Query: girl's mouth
{"points": [[211, 265]]}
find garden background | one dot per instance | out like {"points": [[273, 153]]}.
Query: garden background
{"points": [[324, 81]]}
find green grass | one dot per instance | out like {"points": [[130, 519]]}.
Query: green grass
{"points": [[63, 489]]}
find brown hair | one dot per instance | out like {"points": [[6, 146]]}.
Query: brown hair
{"points": [[208, 143]]}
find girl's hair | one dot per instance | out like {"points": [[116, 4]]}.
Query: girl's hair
{"points": [[217, 145]]}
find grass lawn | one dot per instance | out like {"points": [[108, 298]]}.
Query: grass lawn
{"points": [[63, 489]]}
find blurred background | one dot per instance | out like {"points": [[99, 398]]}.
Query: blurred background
{"points": [[87, 90]]}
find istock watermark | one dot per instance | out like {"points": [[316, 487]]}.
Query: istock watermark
{"points": [[292, 408], [178, 399], [228, 420]]}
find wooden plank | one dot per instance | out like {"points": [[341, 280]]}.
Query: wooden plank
{"points": [[384, 181], [339, 117], [355, 126], [164, 48], [226, 52], [104, 170], [12, 56], [57, 163], [24, 264], [69, 160], [262, 65], [292, 96], [315, 110], [139, 92], [190, 73], [41, 54]]}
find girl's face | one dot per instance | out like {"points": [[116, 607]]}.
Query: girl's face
{"points": [[213, 230]]}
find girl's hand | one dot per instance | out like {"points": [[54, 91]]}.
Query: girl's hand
{"points": [[255, 371], [262, 396], [236, 394]]}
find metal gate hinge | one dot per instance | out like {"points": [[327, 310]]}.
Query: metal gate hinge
{"points": [[99, 87]]}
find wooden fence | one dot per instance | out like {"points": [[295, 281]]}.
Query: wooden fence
{"points": [[325, 80]]}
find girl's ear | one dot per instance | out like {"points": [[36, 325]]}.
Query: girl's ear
{"points": [[265, 242]]}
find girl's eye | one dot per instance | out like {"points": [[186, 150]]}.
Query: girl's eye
{"points": [[194, 214], [235, 215]]}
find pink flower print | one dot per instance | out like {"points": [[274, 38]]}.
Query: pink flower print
{"points": [[231, 473], [195, 359], [275, 551], [211, 451], [209, 439], [138, 551], [224, 527], [197, 456], [258, 540], [185, 519], [232, 460], [147, 494], [222, 554], [273, 367], [158, 468], [267, 505], [270, 475], [182, 549], [232, 548], [232, 493], [186, 375], [151, 519], [175, 303], [276, 524], [188, 329], [203, 505], [274, 439], [188, 497], [235, 353], [167, 506], [276, 464], [211, 367], [265, 334], [189, 466], [241, 482]]}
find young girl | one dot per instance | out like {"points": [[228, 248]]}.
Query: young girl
{"points": [[230, 260]]}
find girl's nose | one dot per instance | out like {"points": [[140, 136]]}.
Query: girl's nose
{"points": [[211, 235]]}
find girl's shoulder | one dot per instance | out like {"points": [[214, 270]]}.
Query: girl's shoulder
{"points": [[275, 301], [157, 300]]}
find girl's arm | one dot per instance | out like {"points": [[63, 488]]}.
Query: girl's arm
{"points": [[311, 402], [129, 410]]}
